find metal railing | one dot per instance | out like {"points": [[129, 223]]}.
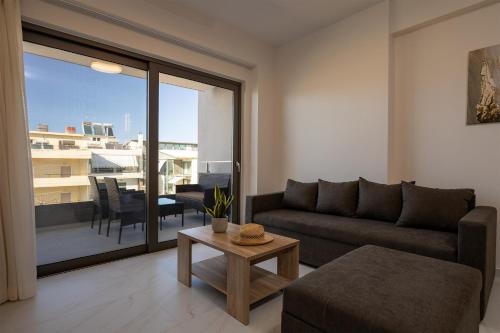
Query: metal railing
{"points": [[217, 166]]}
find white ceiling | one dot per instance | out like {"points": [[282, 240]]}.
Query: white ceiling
{"points": [[273, 21]]}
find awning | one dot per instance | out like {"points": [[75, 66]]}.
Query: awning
{"points": [[176, 179], [162, 167], [114, 161], [167, 154]]}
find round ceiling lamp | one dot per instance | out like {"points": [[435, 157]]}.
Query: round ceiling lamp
{"points": [[106, 67]]}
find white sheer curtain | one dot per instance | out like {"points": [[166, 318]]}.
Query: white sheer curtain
{"points": [[17, 234]]}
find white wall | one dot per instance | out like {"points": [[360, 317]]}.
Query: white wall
{"points": [[334, 94], [432, 143], [356, 102]]}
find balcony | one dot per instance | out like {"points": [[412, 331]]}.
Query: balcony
{"points": [[63, 232], [58, 180], [78, 154], [41, 145]]}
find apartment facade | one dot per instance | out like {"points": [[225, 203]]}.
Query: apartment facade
{"points": [[62, 162], [177, 164]]}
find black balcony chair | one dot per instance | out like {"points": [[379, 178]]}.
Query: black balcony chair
{"points": [[100, 202], [201, 195], [129, 205]]}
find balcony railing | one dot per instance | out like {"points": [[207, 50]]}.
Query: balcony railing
{"points": [[61, 154], [217, 166], [63, 213], [67, 147], [41, 145], [60, 181]]}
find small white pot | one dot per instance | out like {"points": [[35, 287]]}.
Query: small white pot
{"points": [[219, 224]]}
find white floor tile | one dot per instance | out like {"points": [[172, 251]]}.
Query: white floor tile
{"points": [[141, 294]]}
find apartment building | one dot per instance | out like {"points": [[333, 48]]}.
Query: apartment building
{"points": [[177, 164], [62, 162]]}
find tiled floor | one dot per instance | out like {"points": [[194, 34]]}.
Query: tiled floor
{"points": [[141, 294], [76, 240]]}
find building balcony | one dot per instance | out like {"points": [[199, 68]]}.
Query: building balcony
{"points": [[58, 181], [119, 176], [79, 154], [68, 147]]}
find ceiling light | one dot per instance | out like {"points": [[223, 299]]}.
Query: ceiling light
{"points": [[106, 67]]}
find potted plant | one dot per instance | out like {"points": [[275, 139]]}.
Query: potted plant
{"points": [[219, 210]]}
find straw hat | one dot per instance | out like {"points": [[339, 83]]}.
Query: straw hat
{"points": [[251, 234]]}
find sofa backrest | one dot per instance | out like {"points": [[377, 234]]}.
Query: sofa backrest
{"points": [[209, 180], [370, 200]]}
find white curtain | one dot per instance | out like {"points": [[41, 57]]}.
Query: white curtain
{"points": [[17, 226]]}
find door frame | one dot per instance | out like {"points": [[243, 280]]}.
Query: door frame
{"points": [[155, 68], [56, 39]]}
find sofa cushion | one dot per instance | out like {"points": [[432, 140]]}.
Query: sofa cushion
{"points": [[433, 208], [337, 198], [359, 232], [373, 289], [193, 196], [301, 196], [379, 201], [208, 181]]}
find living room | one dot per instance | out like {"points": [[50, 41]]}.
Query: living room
{"points": [[359, 146]]}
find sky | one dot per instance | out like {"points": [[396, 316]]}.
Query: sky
{"points": [[64, 94]]}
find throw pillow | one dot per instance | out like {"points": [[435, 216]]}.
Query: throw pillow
{"points": [[301, 196], [337, 198], [379, 201], [433, 208]]}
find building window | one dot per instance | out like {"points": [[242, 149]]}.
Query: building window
{"points": [[68, 144], [186, 165], [98, 130], [65, 197], [170, 167], [66, 171], [109, 131], [87, 129]]}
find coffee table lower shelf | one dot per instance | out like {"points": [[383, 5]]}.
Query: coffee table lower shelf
{"points": [[263, 283]]}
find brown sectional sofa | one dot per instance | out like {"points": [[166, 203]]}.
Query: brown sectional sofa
{"points": [[376, 289], [325, 237]]}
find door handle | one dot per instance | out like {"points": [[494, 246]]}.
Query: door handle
{"points": [[238, 166]]}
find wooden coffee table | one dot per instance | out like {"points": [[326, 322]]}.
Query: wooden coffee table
{"points": [[234, 273]]}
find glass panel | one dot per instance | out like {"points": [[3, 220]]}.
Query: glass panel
{"points": [[195, 151], [87, 122]]}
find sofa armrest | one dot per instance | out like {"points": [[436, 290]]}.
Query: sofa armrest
{"points": [[477, 232], [262, 203], [188, 188]]}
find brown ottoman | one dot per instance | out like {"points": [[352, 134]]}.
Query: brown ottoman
{"points": [[374, 289]]}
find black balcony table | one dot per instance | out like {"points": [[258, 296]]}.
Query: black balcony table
{"points": [[170, 206]]}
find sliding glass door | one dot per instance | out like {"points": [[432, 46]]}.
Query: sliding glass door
{"points": [[125, 149], [195, 150], [87, 120]]}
